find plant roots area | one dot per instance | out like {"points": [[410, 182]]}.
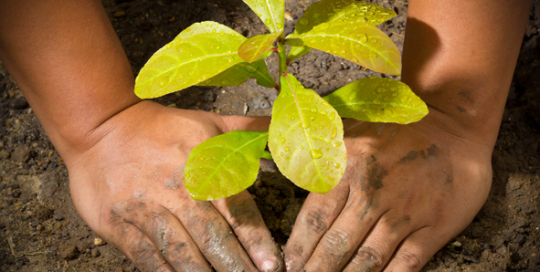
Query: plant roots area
{"points": [[41, 231]]}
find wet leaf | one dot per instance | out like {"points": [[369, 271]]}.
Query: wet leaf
{"points": [[297, 52], [306, 138], [200, 52], [342, 10], [254, 47], [239, 73], [358, 42], [271, 12], [377, 99], [224, 165]]}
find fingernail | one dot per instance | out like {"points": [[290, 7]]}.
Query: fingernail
{"points": [[268, 265]]}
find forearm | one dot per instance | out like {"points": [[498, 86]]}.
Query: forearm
{"points": [[459, 57], [69, 64]]}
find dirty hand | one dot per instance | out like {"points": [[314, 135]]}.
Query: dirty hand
{"points": [[407, 190], [129, 189]]}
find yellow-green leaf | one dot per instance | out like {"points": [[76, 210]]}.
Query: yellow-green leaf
{"points": [[239, 73], [377, 99], [253, 48], [271, 12], [306, 138], [200, 52], [358, 42], [224, 165], [297, 52], [342, 10]]}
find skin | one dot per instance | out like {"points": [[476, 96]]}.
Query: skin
{"points": [[125, 156], [406, 192], [409, 189]]}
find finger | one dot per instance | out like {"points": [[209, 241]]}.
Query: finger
{"points": [[213, 237], [416, 250], [140, 249], [381, 242], [339, 243], [242, 214], [232, 122], [172, 240], [314, 219]]}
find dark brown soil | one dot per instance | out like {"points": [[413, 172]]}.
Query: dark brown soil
{"points": [[41, 231]]}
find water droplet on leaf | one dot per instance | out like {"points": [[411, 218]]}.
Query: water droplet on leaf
{"points": [[316, 154], [163, 82]]}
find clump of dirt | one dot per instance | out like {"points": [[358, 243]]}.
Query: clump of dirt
{"points": [[41, 231]]}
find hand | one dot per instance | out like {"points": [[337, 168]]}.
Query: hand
{"points": [[407, 191], [129, 188]]}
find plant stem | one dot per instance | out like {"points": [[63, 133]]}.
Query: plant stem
{"points": [[282, 58]]}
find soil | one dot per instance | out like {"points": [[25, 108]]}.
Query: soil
{"points": [[41, 231]]}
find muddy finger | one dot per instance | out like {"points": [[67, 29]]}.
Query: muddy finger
{"points": [[315, 218], [214, 237], [243, 216], [380, 244], [172, 240], [416, 250], [140, 249], [341, 240]]}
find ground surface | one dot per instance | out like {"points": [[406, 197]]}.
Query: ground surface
{"points": [[41, 231]]}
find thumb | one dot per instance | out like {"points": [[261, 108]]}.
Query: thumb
{"points": [[232, 122]]}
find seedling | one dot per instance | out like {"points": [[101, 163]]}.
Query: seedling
{"points": [[306, 132]]}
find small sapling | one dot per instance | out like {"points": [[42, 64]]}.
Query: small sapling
{"points": [[305, 137]]}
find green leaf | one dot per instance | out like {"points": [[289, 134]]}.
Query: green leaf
{"points": [[239, 73], [224, 165], [271, 12], [377, 99], [358, 42], [306, 138], [297, 52], [267, 155], [326, 11], [254, 47], [201, 51]]}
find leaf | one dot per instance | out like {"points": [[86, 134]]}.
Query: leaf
{"points": [[358, 42], [201, 51], [254, 47], [377, 99], [297, 52], [239, 73], [267, 155], [342, 10], [224, 165], [306, 138], [271, 12]]}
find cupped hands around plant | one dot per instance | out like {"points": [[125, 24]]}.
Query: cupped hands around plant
{"points": [[406, 192], [129, 189], [305, 138]]}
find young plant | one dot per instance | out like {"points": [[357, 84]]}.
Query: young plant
{"points": [[306, 132]]}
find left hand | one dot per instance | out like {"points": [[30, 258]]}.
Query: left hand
{"points": [[406, 192]]}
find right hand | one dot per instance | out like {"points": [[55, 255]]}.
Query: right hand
{"points": [[129, 188]]}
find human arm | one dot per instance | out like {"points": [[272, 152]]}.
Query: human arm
{"points": [[124, 155], [409, 189]]}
